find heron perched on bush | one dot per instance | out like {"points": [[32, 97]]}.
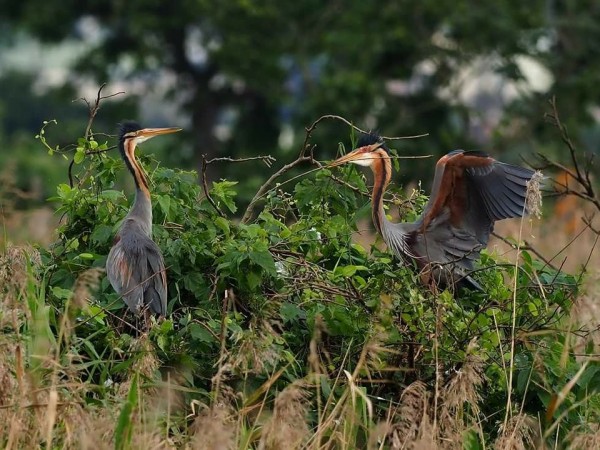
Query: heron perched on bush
{"points": [[471, 191], [135, 265]]}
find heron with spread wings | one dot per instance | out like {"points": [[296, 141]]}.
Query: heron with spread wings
{"points": [[135, 265], [470, 192]]}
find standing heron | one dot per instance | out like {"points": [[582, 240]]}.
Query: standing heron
{"points": [[471, 191], [135, 266]]}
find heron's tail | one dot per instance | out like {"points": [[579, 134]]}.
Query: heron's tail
{"points": [[468, 282]]}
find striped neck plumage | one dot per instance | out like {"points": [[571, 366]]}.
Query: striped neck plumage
{"points": [[394, 234], [382, 172], [142, 207], [139, 176]]}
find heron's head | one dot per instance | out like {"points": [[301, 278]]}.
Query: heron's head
{"points": [[133, 132], [370, 147]]}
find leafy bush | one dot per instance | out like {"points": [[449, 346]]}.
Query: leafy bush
{"points": [[288, 313]]}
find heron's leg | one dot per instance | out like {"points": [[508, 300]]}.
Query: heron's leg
{"points": [[147, 318], [428, 278]]}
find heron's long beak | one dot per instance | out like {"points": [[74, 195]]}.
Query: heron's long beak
{"points": [[359, 154], [151, 132]]}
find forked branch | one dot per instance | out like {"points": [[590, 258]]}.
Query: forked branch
{"points": [[580, 171], [306, 155]]}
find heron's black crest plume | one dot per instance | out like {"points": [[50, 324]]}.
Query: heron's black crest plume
{"points": [[127, 127], [371, 138]]}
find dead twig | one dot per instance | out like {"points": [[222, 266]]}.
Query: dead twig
{"points": [[92, 111], [267, 159], [306, 155], [527, 247], [581, 175]]}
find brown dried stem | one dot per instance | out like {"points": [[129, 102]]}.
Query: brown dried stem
{"points": [[580, 174]]}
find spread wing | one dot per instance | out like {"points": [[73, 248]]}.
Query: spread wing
{"points": [[136, 270], [470, 192]]}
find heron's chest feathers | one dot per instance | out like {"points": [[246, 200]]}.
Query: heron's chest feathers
{"points": [[400, 238]]}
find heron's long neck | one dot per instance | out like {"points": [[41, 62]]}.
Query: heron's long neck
{"points": [[142, 206], [382, 171]]}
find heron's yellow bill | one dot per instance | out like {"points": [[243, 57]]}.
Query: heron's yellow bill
{"points": [[151, 132], [361, 156]]}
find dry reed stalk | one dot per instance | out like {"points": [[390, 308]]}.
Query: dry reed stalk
{"points": [[214, 429], [257, 352], [15, 273], [287, 427], [411, 414], [585, 315], [584, 437], [461, 391], [520, 432], [86, 284]]}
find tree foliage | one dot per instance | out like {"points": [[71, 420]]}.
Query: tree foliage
{"points": [[256, 67]]}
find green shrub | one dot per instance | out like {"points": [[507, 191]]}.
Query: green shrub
{"points": [[291, 304]]}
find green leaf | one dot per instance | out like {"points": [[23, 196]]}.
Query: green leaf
{"points": [[63, 190], [253, 279], [79, 156], [201, 334], [291, 313], [223, 192], [222, 224], [587, 376], [111, 195], [165, 204], [124, 428], [101, 234], [264, 260], [348, 271], [60, 293]]}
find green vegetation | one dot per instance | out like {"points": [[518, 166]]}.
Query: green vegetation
{"points": [[282, 331]]}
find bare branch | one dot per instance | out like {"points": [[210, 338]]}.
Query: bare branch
{"points": [[265, 187], [527, 247], [205, 187], [267, 159], [92, 111], [579, 174], [347, 122], [305, 155]]}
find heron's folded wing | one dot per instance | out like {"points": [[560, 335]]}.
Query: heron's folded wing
{"points": [[123, 273], [156, 293], [135, 269]]}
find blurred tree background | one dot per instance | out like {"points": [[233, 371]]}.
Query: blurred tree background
{"points": [[245, 77]]}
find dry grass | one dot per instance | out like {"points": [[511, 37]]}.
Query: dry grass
{"points": [[287, 427], [214, 429], [567, 243], [411, 417], [584, 439], [521, 432], [50, 408]]}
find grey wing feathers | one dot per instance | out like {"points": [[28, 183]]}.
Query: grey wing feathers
{"points": [[503, 189], [454, 245], [135, 269]]}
